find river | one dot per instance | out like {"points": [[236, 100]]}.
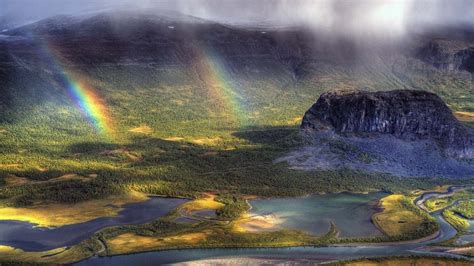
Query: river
{"points": [[28, 237], [301, 254]]}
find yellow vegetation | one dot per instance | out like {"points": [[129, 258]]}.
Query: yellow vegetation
{"points": [[12, 165], [442, 188], [130, 242], [465, 116], [207, 202], [207, 141], [13, 180], [395, 219], [408, 261], [56, 256], [257, 223], [144, 129], [174, 139], [52, 215], [295, 121]]}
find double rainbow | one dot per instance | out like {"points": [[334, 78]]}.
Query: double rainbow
{"points": [[223, 90]]}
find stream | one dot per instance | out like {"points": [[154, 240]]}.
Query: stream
{"points": [[292, 254]]}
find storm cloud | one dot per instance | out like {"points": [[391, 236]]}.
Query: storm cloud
{"points": [[349, 17]]}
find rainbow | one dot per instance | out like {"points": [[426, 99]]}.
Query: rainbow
{"points": [[221, 86], [92, 105], [79, 89]]}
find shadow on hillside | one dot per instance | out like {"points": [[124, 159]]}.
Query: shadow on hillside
{"points": [[227, 163], [275, 137], [278, 137], [92, 147], [180, 168]]}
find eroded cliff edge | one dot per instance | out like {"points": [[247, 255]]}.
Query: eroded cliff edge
{"points": [[402, 132]]}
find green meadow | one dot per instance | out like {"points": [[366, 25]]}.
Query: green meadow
{"points": [[171, 136]]}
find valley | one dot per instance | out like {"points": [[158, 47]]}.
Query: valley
{"points": [[200, 231], [132, 137]]}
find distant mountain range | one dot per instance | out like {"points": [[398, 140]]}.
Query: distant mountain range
{"points": [[440, 61]]}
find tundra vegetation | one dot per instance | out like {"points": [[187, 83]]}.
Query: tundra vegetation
{"points": [[406, 260], [435, 204], [399, 219], [459, 214], [171, 137]]}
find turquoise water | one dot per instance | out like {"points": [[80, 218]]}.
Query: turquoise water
{"points": [[350, 212], [192, 256], [347, 204]]}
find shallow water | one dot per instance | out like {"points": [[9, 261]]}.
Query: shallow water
{"points": [[25, 236], [205, 213], [290, 254], [465, 239], [346, 210], [194, 255], [350, 212]]}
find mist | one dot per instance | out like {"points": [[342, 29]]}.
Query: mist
{"points": [[389, 18]]}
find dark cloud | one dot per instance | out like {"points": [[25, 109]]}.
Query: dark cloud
{"points": [[386, 17]]}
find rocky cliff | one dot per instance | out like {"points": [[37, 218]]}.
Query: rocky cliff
{"points": [[448, 55], [405, 114]]}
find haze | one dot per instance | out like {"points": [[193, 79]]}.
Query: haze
{"points": [[385, 17]]}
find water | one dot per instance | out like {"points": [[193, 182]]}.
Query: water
{"points": [[177, 256], [465, 239], [293, 253], [25, 236], [350, 212], [311, 253]]}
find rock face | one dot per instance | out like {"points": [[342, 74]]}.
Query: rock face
{"points": [[405, 114], [448, 56]]}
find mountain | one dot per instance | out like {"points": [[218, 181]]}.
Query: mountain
{"points": [[406, 114], [402, 132], [171, 104], [450, 56]]}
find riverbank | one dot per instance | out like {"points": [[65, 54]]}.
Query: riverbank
{"points": [[357, 250], [67, 214], [166, 234]]}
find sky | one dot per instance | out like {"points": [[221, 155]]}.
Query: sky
{"points": [[392, 17]]}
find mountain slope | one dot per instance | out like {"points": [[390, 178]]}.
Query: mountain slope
{"points": [[174, 105], [404, 132]]}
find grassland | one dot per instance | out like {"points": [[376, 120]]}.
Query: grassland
{"points": [[41, 214], [434, 204], [465, 208], [402, 261], [400, 217], [458, 215], [458, 222], [171, 137], [59, 256], [221, 231]]}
